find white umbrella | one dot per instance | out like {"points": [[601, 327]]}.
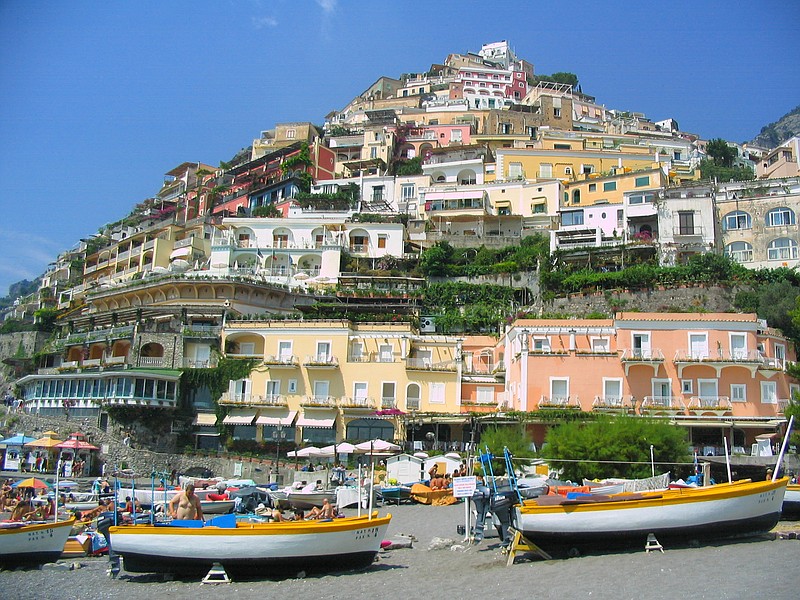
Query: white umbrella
{"points": [[375, 446], [421, 454], [340, 448], [304, 452], [301, 276]]}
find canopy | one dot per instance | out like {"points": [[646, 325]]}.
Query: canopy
{"points": [[17, 440], [205, 420], [304, 452], [239, 418], [281, 417], [31, 482], [324, 419], [74, 444], [375, 446], [340, 448], [45, 442]]}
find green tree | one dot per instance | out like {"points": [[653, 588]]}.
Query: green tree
{"points": [[268, 210], [720, 152], [617, 442], [513, 437], [778, 304], [436, 261], [412, 166], [711, 170]]}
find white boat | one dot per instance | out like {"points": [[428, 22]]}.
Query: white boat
{"points": [[600, 522], [248, 549], [148, 496], [32, 543], [210, 507], [791, 501], [308, 500]]}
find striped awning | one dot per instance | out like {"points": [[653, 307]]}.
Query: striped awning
{"points": [[323, 419], [239, 418], [180, 252], [205, 420], [278, 417]]}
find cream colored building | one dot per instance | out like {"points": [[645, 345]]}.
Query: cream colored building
{"points": [[318, 382]]}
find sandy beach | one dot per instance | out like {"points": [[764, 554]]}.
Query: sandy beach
{"points": [[763, 566]]}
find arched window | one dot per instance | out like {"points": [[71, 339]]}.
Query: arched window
{"points": [[576, 197], [412, 396], [740, 251], [369, 429], [780, 217], [782, 249], [737, 219]]}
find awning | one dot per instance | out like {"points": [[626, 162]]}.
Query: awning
{"points": [[239, 418], [205, 419], [767, 436], [322, 419], [180, 252], [283, 417]]}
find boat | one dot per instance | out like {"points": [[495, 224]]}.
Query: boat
{"points": [[308, 500], [791, 501], [395, 493], [424, 495], [32, 543], [250, 549], [603, 522]]}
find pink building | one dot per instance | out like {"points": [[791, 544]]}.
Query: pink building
{"points": [[720, 375]]}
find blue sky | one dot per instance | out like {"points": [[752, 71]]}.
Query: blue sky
{"points": [[99, 99]]}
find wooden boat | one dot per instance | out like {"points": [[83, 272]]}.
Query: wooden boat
{"points": [[308, 500], [32, 543], [601, 522], [791, 501], [247, 549], [424, 495]]}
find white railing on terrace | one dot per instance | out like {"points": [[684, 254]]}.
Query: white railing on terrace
{"points": [[412, 403], [642, 354], [428, 365], [388, 403], [662, 403], [559, 402], [373, 357], [282, 359], [718, 355], [321, 360], [151, 361], [191, 363], [319, 401], [243, 355], [612, 402], [709, 403], [358, 402], [116, 360]]}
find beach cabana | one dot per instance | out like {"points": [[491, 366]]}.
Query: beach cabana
{"points": [[45, 449], [404, 468], [15, 452], [73, 448], [445, 464]]}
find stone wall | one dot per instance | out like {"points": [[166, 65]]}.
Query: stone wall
{"points": [[26, 343]]}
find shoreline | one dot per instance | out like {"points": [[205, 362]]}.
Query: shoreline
{"points": [[712, 571]]}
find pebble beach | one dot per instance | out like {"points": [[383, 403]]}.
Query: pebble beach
{"points": [[439, 564]]}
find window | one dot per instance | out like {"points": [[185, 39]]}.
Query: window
{"points": [[738, 346], [541, 345], [782, 249], [738, 392], [559, 390], [247, 348], [562, 147], [545, 170], [377, 193], [574, 217], [601, 345], [386, 355], [455, 135], [285, 350], [780, 354], [698, 346], [612, 389], [515, 170], [609, 186], [769, 392], [641, 346], [485, 395], [323, 351], [557, 113], [273, 388], [539, 209], [576, 196], [408, 191], [360, 390], [373, 153], [505, 128], [686, 223], [587, 169], [567, 170], [641, 199], [292, 386], [740, 251], [381, 241], [642, 181], [686, 386], [321, 389], [592, 187], [436, 393], [737, 219], [780, 217], [291, 134]]}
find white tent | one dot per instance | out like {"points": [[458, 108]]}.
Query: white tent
{"points": [[404, 468], [376, 446]]}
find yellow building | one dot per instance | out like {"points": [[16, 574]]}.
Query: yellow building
{"points": [[611, 189], [320, 382]]}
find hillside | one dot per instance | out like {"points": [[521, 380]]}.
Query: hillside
{"points": [[776, 133]]}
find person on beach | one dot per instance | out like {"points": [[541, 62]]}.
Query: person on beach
{"points": [[186, 506], [23, 511], [326, 512]]}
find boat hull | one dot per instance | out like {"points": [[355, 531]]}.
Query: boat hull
{"points": [[725, 510], [308, 500], [251, 549], [791, 501], [33, 544]]}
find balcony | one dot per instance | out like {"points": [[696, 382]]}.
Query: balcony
{"points": [[91, 363], [372, 357], [559, 402], [652, 357], [321, 361], [288, 361], [425, 364], [612, 403], [318, 402], [718, 359], [782, 404], [191, 363], [663, 404], [412, 404], [244, 356], [151, 361], [115, 360], [684, 232], [717, 405], [388, 402], [202, 331], [359, 248], [357, 403]]}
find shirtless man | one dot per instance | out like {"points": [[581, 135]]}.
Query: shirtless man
{"points": [[186, 505]]}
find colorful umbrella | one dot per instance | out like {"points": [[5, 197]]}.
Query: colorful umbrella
{"points": [[31, 482], [76, 445]]}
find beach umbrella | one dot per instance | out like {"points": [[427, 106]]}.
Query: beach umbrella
{"points": [[375, 446], [45, 442], [31, 482], [340, 448], [304, 452], [74, 444]]}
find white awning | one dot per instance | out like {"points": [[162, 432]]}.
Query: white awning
{"points": [[239, 418], [180, 252], [324, 419], [283, 417], [205, 419]]}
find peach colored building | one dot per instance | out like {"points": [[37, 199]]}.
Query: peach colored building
{"points": [[720, 375]]}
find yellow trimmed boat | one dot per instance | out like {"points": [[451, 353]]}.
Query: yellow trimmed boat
{"points": [[791, 501], [600, 522], [32, 543], [250, 549]]}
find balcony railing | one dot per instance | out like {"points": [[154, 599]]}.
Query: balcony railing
{"points": [[718, 355], [322, 401], [244, 355], [612, 403], [116, 360], [709, 403], [388, 402], [358, 402], [191, 363], [426, 364], [546, 402], [412, 403], [282, 360], [228, 398], [662, 403], [372, 357], [642, 355], [321, 360], [91, 362], [151, 361]]}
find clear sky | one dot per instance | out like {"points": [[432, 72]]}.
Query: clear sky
{"points": [[99, 99]]}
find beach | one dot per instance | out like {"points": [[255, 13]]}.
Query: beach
{"points": [[764, 565]]}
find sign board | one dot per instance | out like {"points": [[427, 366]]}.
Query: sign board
{"points": [[464, 487], [237, 469]]}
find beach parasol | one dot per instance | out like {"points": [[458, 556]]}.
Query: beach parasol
{"points": [[304, 452], [31, 482], [375, 446], [74, 444], [45, 442]]}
